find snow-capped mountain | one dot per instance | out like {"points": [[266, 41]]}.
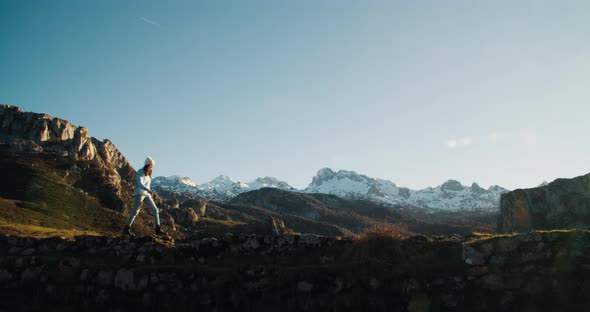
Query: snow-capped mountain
{"points": [[451, 195], [176, 184], [270, 182], [221, 188], [350, 184], [224, 185]]}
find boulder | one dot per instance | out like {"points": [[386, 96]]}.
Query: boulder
{"points": [[184, 216], [199, 205]]}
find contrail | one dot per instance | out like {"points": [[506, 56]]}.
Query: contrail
{"points": [[147, 20]]}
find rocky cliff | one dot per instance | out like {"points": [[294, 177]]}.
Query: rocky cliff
{"points": [[561, 204], [539, 271], [100, 168]]}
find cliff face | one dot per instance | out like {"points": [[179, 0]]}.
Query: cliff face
{"points": [[539, 271], [562, 204], [101, 169]]}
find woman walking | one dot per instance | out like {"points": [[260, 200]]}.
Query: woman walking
{"points": [[143, 193]]}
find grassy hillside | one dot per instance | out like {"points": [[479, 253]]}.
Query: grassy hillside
{"points": [[45, 195], [245, 219], [37, 199], [356, 215]]}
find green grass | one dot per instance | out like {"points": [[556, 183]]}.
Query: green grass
{"points": [[36, 199], [29, 230]]}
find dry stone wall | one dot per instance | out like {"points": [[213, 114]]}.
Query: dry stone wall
{"points": [[527, 272]]}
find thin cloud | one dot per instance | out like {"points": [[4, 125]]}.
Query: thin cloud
{"points": [[465, 141], [499, 136], [147, 20], [528, 136], [452, 143]]}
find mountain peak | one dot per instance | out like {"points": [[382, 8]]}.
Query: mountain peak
{"points": [[452, 185], [324, 174], [497, 189], [223, 178], [325, 171], [186, 180], [475, 188], [270, 182], [177, 179], [267, 179]]}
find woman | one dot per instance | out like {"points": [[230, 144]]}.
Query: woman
{"points": [[143, 192]]}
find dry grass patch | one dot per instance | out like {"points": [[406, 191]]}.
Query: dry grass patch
{"points": [[483, 236], [36, 231], [385, 232]]}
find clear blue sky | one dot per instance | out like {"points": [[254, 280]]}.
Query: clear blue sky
{"points": [[417, 92]]}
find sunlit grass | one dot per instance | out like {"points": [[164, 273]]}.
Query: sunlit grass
{"points": [[390, 231], [40, 202], [483, 236], [36, 231], [478, 237]]}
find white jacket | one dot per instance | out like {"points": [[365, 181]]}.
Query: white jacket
{"points": [[142, 183]]}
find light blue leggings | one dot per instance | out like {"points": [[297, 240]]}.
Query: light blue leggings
{"points": [[136, 208]]}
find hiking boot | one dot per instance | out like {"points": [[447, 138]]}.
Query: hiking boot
{"points": [[127, 231], [159, 231]]}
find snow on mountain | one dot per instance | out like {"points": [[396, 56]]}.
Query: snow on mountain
{"points": [[451, 195], [270, 182], [221, 188], [343, 183], [176, 184], [498, 189], [223, 184]]}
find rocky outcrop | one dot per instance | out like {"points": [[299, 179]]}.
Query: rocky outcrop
{"points": [[199, 206], [561, 204], [101, 169], [539, 271], [278, 227], [20, 131], [184, 216]]}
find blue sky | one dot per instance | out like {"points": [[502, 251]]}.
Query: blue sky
{"points": [[417, 92]]}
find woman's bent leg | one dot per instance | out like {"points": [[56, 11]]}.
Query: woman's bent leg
{"points": [[136, 208]]}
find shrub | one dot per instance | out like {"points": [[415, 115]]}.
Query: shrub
{"points": [[388, 231]]}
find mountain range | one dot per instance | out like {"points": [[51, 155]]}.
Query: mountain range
{"points": [[222, 188], [58, 180], [451, 195]]}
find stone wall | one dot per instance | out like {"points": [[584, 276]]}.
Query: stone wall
{"points": [[527, 272]]}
